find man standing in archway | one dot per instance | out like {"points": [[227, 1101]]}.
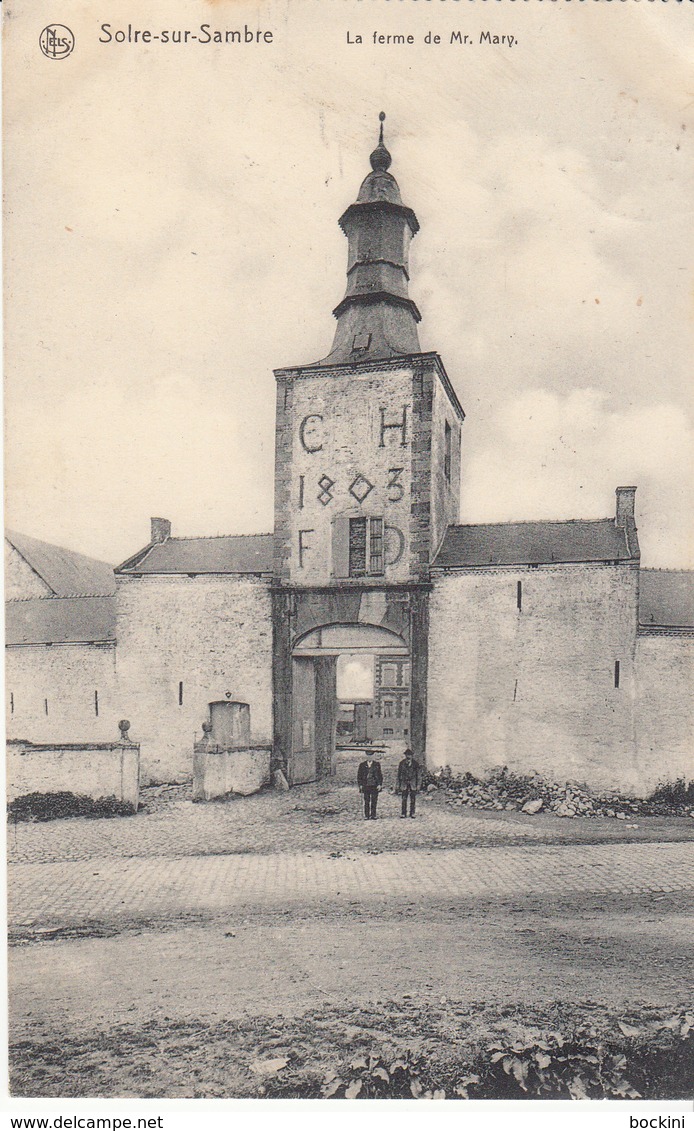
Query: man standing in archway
{"points": [[370, 782], [409, 780]]}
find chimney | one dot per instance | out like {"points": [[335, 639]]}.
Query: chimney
{"points": [[161, 529], [625, 507]]}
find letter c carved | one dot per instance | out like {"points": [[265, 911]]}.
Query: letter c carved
{"points": [[309, 433]]}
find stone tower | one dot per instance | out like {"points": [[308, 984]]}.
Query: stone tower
{"points": [[366, 477]]}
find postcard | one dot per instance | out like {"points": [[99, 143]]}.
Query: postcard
{"points": [[349, 554]]}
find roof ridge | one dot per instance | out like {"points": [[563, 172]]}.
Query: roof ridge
{"points": [[528, 522], [65, 597], [211, 537], [665, 569]]}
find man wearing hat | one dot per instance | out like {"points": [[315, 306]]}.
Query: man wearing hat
{"points": [[370, 782], [409, 781]]}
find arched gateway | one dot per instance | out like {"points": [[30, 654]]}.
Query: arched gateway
{"points": [[314, 690]]}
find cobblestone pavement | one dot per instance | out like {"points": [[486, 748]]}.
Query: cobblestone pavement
{"points": [[101, 889], [314, 818]]}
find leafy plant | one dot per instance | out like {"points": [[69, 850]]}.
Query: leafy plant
{"points": [[577, 1068], [378, 1078]]}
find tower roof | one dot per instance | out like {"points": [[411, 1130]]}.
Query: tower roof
{"points": [[377, 318]]}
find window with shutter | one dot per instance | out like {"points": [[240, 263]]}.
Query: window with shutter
{"points": [[340, 546], [376, 546], [366, 547], [357, 547]]}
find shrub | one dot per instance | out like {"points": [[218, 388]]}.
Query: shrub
{"points": [[58, 806]]}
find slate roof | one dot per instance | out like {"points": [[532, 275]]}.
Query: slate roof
{"points": [[233, 553], [666, 598], [65, 572], [532, 543], [60, 620]]}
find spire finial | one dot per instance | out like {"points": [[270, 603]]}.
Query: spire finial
{"points": [[380, 158]]}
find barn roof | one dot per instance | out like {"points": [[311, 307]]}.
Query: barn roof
{"points": [[666, 598], [532, 543], [65, 572], [60, 620], [233, 553]]}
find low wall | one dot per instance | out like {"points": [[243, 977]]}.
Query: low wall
{"points": [[218, 772], [97, 770]]}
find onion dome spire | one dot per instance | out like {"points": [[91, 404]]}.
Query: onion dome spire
{"points": [[381, 159], [377, 318]]}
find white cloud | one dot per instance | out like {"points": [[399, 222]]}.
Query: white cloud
{"points": [[548, 455]]}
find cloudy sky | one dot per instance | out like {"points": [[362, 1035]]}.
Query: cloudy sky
{"points": [[171, 237]]}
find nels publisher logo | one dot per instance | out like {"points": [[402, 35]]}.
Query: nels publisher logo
{"points": [[56, 41]]}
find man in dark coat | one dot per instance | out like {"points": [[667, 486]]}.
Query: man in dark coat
{"points": [[370, 782], [409, 781]]}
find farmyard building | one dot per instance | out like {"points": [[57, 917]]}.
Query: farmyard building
{"points": [[538, 645]]}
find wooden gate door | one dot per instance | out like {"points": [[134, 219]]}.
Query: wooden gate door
{"points": [[302, 763], [326, 715]]}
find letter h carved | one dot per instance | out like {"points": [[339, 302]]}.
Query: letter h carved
{"points": [[401, 425]]}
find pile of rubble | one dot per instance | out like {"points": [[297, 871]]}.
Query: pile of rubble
{"points": [[533, 794]]}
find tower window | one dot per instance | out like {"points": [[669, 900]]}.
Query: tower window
{"points": [[12, 702], [519, 595], [45, 705], [180, 694], [387, 708], [365, 547], [447, 452], [616, 673], [96, 703]]}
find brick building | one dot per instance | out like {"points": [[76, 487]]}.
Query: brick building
{"points": [[538, 645]]}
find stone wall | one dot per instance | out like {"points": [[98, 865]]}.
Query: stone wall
{"points": [[182, 643], [222, 773], [331, 441], [665, 706], [533, 687], [445, 492], [103, 770], [61, 692]]}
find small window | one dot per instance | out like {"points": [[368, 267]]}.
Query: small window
{"points": [[519, 595], [45, 705], [616, 673], [387, 730], [12, 702], [389, 675], [365, 547], [96, 703], [180, 694], [447, 452]]}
